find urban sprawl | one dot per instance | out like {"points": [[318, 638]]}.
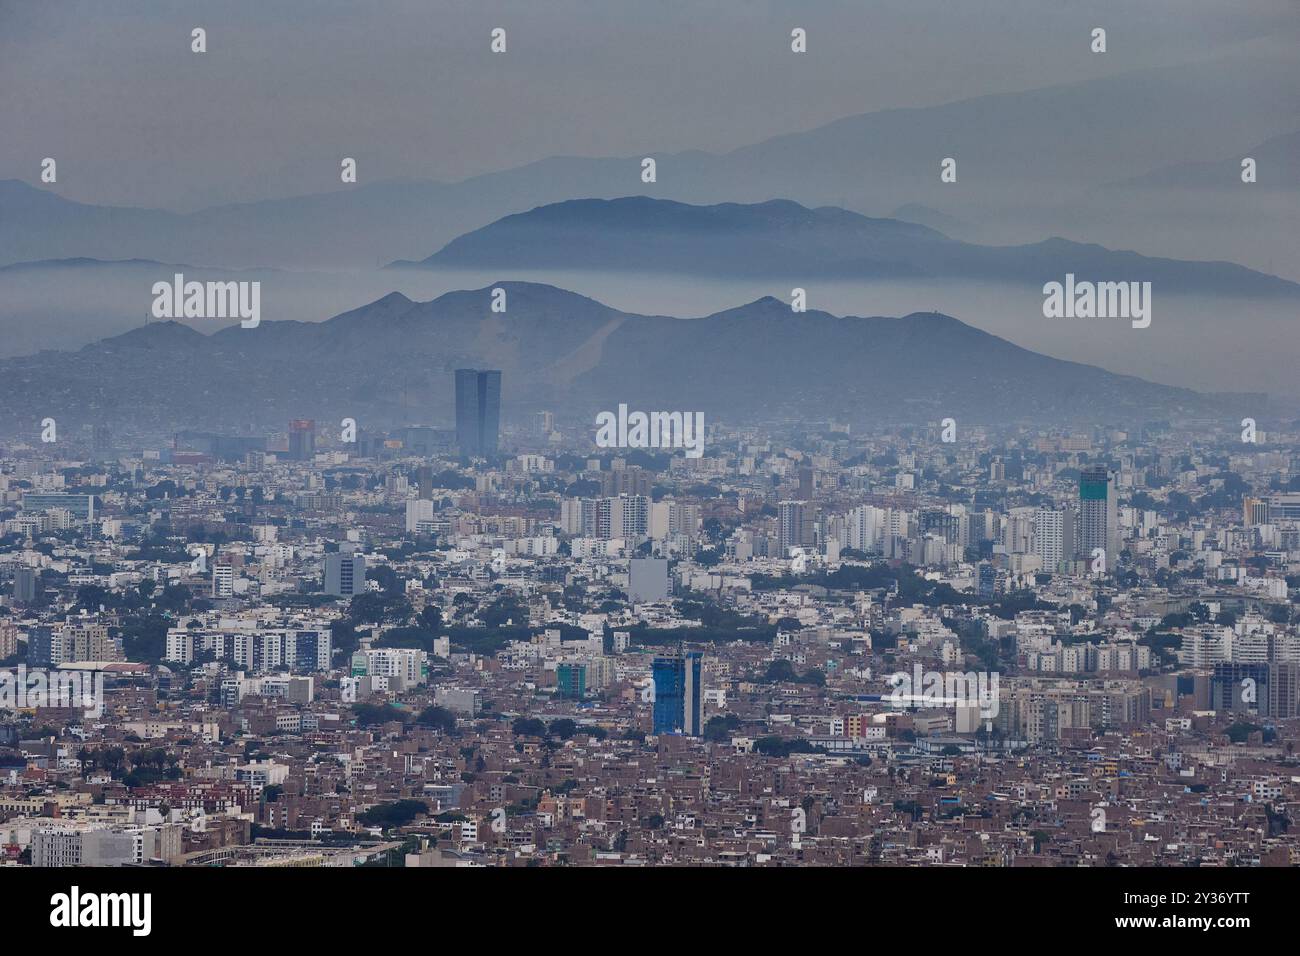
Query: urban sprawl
{"points": [[511, 646]]}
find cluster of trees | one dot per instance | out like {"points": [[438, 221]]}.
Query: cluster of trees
{"points": [[397, 814], [139, 768], [661, 636], [144, 636], [439, 718], [783, 671], [721, 728], [144, 597], [718, 625], [160, 546], [562, 728], [1240, 732], [781, 747], [372, 715], [910, 587], [504, 620], [1224, 491], [377, 607]]}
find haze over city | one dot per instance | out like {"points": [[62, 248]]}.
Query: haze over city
{"points": [[709, 435]]}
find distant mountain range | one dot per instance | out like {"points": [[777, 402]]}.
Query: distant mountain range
{"points": [[66, 303], [391, 362], [1277, 164], [1029, 165], [785, 240]]}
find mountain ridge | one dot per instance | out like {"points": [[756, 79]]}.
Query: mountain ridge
{"points": [[392, 361], [1041, 159], [783, 238]]}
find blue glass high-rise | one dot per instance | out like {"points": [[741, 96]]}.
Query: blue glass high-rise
{"points": [[679, 694]]}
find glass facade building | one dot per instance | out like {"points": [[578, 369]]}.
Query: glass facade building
{"points": [[679, 694], [478, 412]]}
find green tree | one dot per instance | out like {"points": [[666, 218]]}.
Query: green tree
{"points": [[439, 718]]}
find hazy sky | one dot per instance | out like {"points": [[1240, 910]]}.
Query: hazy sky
{"points": [[409, 87]]}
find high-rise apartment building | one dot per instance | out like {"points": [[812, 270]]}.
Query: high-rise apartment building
{"points": [[1254, 510], [43, 647], [626, 517], [793, 532], [1053, 536], [628, 480], [1283, 690], [313, 649], [81, 641], [1098, 515], [8, 639], [223, 581], [629, 517], [864, 527], [419, 511]]}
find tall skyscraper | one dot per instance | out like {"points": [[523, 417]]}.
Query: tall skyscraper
{"points": [[302, 439], [1053, 536], [223, 580], [478, 412], [679, 694], [1098, 515]]}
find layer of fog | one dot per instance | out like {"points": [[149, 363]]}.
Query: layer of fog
{"points": [[1202, 343]]}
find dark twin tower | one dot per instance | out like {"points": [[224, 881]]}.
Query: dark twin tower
{"points": [[478, 412]]}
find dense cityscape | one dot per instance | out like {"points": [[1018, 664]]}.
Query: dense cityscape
{"points": [[516, 462], [504, 643]]}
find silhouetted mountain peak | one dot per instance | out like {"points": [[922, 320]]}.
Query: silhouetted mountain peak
{"points": [[520, 296], [781, 239], [768, 306], [164, 334], [393, 361]]}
